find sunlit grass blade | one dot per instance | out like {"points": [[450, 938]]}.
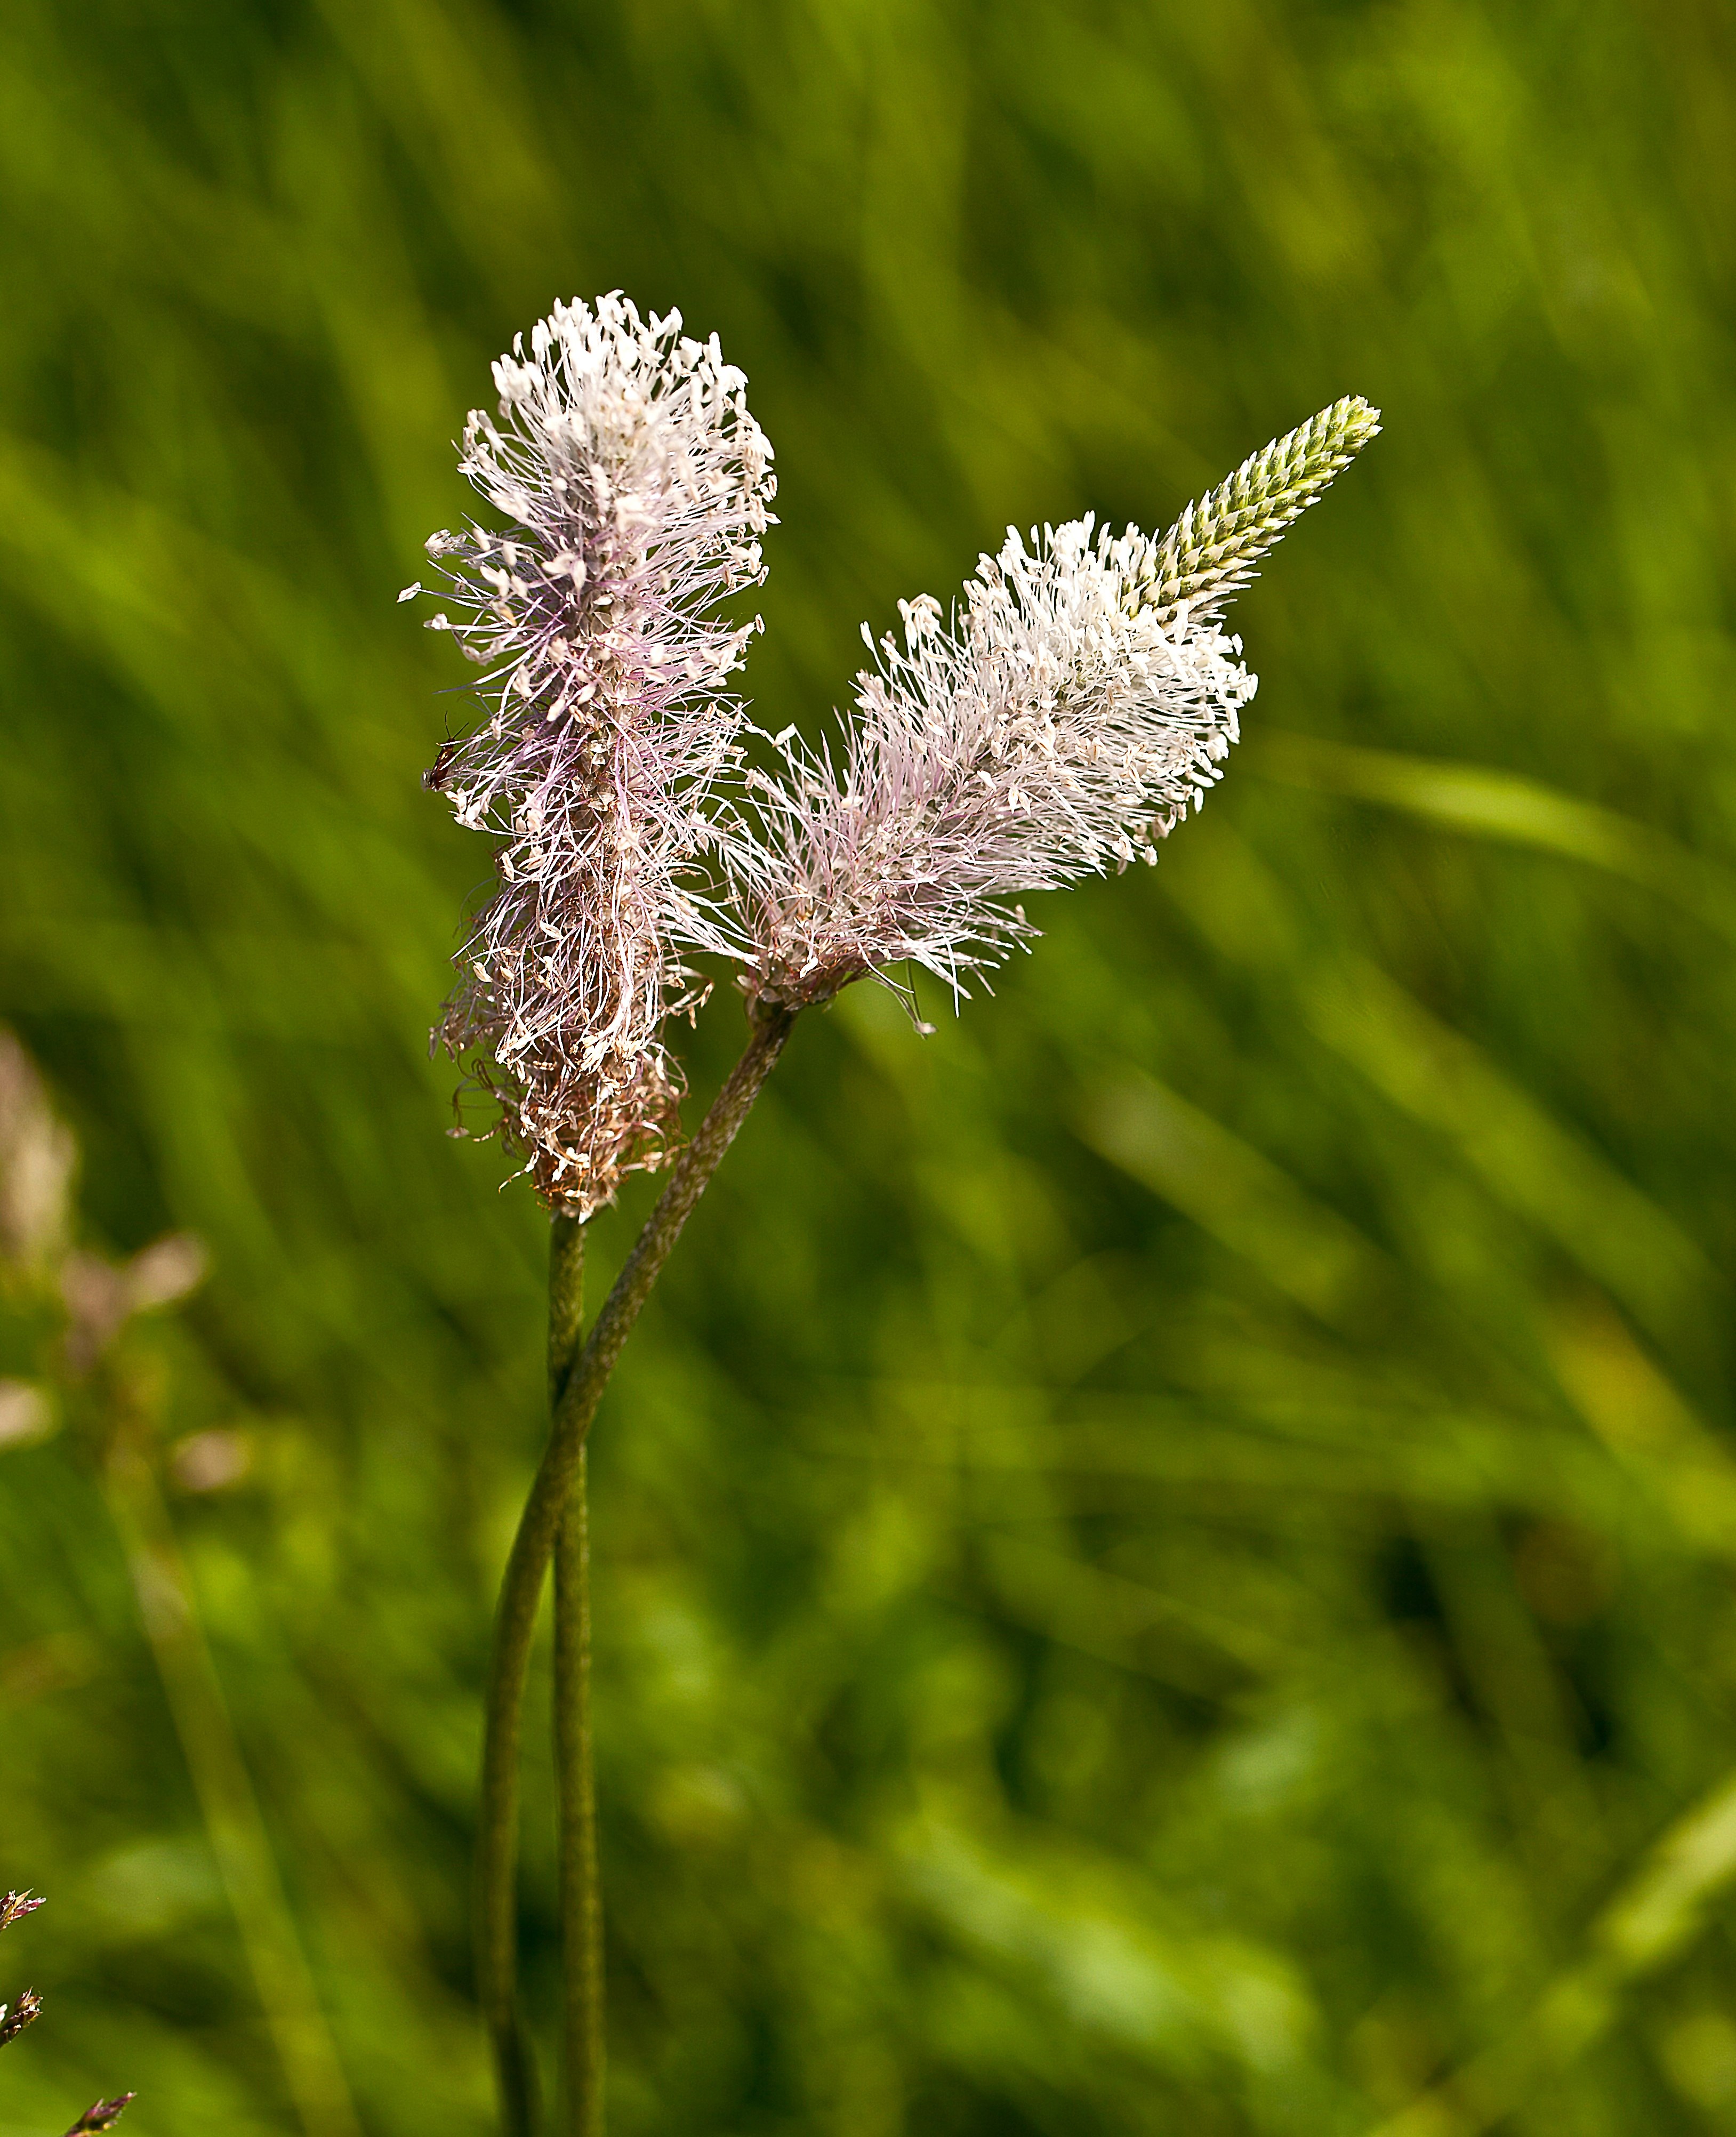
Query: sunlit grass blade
{"points": [[1484, 801], [1657, 1913]]}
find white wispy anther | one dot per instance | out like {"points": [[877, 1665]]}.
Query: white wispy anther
{"points": [[1079, 701], [638, 486]]}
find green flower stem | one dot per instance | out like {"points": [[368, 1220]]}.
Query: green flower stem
{"points": [[581, 1901], [515, 2060], [521, 1588], [566, 1302], [583, 2044]]}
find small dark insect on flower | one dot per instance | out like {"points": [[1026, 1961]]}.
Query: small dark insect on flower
{"points": [[435, 778]]}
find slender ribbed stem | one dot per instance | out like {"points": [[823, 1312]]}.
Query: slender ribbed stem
{"points": [[497, 1912], [583, 2038], [521, 1588], [582, 1906], [565, 1303], [497, 1924]]}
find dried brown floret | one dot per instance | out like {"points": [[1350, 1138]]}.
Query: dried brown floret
{"points": [[16, 2017], [101, 2114], [15, 1905]]}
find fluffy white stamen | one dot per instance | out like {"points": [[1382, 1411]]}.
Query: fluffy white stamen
{"points": [[638, 486], [1081, 700]]}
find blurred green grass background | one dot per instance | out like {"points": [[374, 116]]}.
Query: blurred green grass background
{"points": [[1165, 1556]]}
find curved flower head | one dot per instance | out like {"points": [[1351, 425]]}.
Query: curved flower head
{"points": [[638, 486], [1044, 735], [1082, 697]]}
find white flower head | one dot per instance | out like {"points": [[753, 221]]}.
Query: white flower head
{"points": [[1078, 702], [1044, 734], [638, 486]]}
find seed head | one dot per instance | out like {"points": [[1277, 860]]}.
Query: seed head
{"points": [[102, 2114]]}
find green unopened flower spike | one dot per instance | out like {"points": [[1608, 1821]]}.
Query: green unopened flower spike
{"points": [[1210, 552]]}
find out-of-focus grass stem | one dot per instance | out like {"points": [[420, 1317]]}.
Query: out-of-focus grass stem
{"points": [[220, 1781]]}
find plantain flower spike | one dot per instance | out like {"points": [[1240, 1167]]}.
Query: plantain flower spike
{"points": [[636, 486], [1076, 705]]}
